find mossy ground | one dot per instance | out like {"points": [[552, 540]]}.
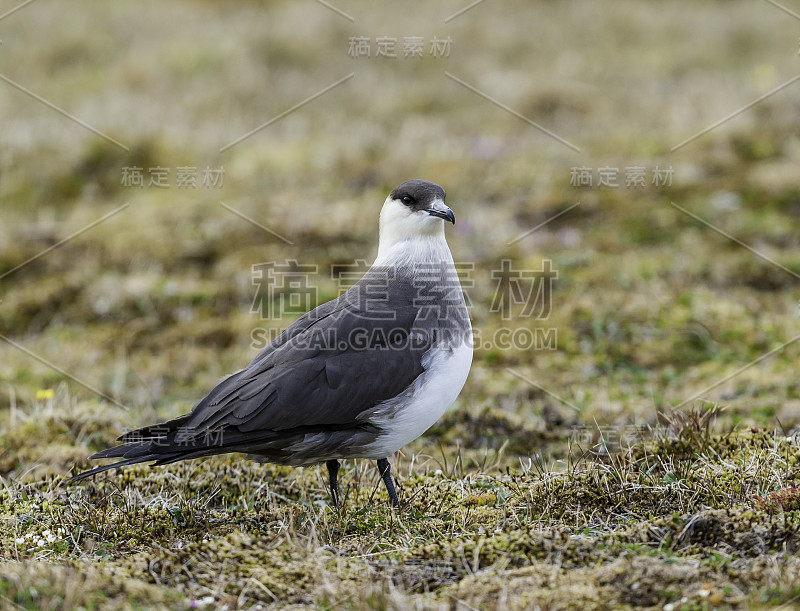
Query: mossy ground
{"points": [[650, 460], [689, 519]]}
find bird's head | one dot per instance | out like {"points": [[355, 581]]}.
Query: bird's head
{"points": [[414, 210]]}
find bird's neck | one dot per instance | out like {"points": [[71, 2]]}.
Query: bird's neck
{"points": [[413, 251]]}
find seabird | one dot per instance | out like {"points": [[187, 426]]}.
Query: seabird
{"points": [[357, 377]]}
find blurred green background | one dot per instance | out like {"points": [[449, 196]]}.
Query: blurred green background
{"points": [[651, 306]]}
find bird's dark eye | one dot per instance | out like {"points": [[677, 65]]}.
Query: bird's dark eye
{"points": [[407, 199]]}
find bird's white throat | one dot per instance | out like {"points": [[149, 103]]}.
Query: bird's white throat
{"points": [[409, 238]]}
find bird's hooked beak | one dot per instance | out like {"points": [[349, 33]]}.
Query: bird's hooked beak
{"points": [[443, 212]]}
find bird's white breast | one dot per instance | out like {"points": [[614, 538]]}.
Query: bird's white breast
{"points": [[408, 242], [407, 416]]}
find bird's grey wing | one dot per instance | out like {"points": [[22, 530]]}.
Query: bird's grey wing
{"points": [[329, 367]]}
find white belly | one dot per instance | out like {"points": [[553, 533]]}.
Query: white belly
{"points": [[406, 417]]}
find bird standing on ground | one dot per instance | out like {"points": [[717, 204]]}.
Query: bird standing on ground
{"points": [[357, 377]]}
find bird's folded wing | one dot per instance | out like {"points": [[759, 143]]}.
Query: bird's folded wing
{"points": [[329, 367]]}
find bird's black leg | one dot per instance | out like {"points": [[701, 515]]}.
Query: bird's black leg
{"points": [[386, 473], [333, 472]]}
